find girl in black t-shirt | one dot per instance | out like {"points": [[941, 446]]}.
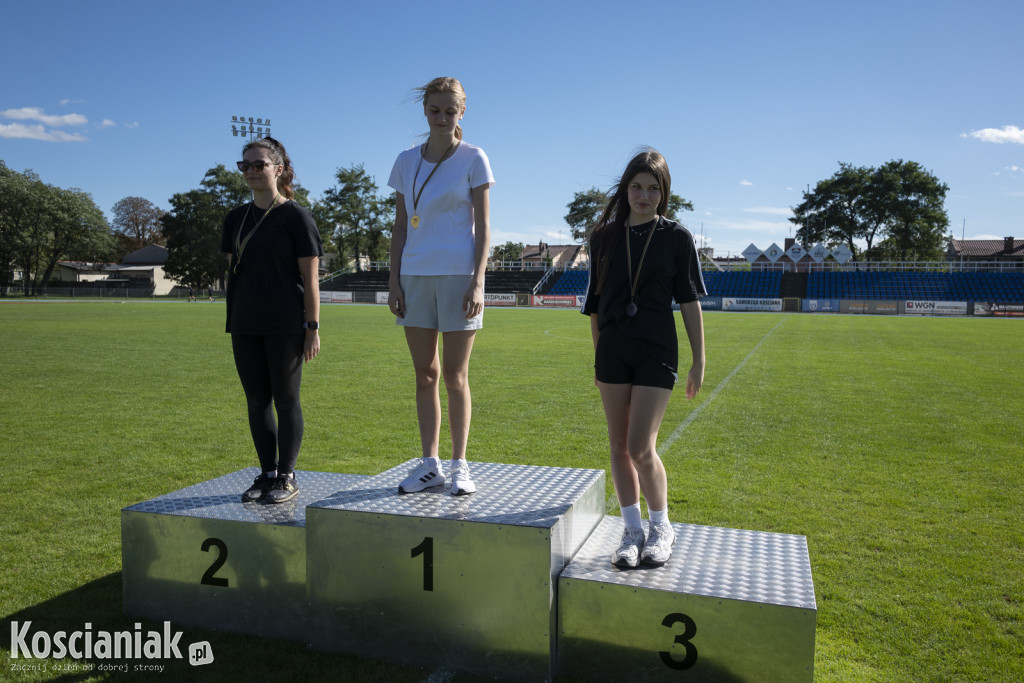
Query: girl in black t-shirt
{"points": [[273, 311], [639, 262]]}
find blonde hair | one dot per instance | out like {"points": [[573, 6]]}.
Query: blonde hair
{"points": [[443, 85]]}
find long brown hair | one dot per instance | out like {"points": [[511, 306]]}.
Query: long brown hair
{"points": [[443, 84], [275, 150], [612, 224]]}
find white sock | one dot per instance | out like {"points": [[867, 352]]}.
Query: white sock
{"points": [[631, 515], [432, 460], [659, 516], [272, 474]]}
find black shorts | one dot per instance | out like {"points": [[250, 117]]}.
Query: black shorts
{"points": [[622, 360]]}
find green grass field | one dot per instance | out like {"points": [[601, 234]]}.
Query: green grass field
{"points": [[894, 444]]}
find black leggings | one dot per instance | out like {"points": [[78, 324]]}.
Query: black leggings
{"points": [[270, 368]]}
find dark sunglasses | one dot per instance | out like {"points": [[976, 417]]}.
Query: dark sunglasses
{"points": [[257, 166]]}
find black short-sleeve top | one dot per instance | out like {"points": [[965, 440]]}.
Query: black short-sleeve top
{"points": [[670, 271], [265, 296]]}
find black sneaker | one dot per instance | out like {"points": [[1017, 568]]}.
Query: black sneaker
{"points": [[259, 488], [285, 487]]}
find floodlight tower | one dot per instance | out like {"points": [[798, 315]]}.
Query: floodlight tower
{"points": [[247, 127]]}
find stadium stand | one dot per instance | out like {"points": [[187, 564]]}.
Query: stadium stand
{"points": [[996, 287], [897, 285], [498, 282]]}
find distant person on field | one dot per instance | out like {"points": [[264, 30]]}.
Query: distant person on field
{"points": [[209, 292], [639, 262], [191, 294], [273, 311], [439, 248]]}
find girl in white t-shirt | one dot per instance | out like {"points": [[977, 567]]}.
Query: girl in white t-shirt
{"points": [[439, 247]]}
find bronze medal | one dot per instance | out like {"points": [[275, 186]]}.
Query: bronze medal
{"points": [[415, 221]]}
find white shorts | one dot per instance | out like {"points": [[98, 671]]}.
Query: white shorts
{"points": [[435, 302]]}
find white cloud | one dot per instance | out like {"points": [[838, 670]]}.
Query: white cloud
{"points": [[65, 102], [771, 210], [998, 135], [746, 183], [107, 123], [37, 132], [37, 114], [132, 124]]}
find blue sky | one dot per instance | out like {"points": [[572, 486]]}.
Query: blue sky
{"points": [[750, 102]]}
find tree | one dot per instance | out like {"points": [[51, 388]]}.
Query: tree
{"points": [[136, 223], [41, 225], [584, 212], [355, 217], [586, 208], [14, 209], [836, 211], [76, 230], [228, 188], [909, 202], [510, 251], [193, 231], [899, 203]]}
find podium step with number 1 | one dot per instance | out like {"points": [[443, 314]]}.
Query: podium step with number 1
{"points": [[456, 581]]}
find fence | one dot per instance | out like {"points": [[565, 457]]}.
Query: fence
{"points": [[100, 293]]}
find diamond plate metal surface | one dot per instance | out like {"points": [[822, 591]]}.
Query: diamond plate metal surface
{"points": [[220, 498], [520, 495], [734, 564]]}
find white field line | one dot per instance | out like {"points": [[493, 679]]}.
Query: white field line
{"points": [[678, 431]]}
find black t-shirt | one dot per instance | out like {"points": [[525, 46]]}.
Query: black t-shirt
{"points": [[670, 270], [265, 295]]}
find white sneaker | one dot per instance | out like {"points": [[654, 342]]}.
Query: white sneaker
{"points": [[632, 544], [424, 476], [462, 485], [659, 545]]}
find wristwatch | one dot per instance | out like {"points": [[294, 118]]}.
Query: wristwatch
{"points": [[311, 325]]}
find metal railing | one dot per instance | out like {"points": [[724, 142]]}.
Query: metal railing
{"points": [[874, 266]]}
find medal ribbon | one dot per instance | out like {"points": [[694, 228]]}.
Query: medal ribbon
{"points": [[416, 196], [633, 281], [240, 244]]}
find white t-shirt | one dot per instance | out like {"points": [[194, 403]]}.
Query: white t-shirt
{"points": [[444, 242]]}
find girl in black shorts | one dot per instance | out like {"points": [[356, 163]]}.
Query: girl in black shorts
{"points": [[639, 262]]}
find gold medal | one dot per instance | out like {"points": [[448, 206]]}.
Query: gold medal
{"points": [[416, 196]]}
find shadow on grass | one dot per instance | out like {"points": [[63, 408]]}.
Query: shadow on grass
{"points": [[236, 657]]}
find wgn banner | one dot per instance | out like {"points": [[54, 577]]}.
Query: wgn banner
{"points": [[936, 308], [731, 304]]}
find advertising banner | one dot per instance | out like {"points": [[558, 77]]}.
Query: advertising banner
{"points": [[882, 307], [738, 304], [382, 298], [343, 298], [821, 306], [856, 307], [936, 308], [499, 299], [711, 303], [1014, 310], [554, 300]]}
